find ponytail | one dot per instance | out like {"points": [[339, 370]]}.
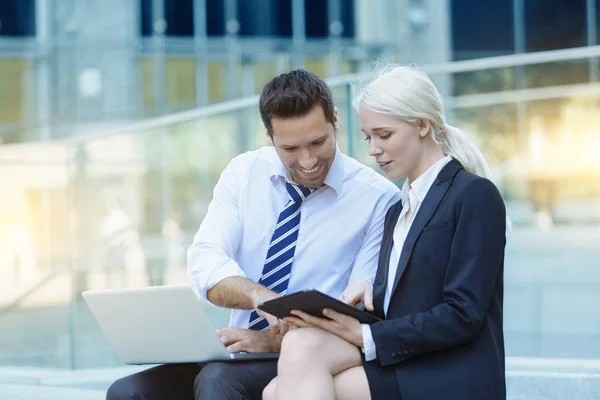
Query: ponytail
{"points": [[460, 145]]}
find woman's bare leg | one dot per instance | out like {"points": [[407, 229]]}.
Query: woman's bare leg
{"points": [[352, 384], [270, 392], [309, 359]]}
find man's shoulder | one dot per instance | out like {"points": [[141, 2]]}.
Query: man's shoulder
{"points": [[363, 177], [262, 153], [265, 157]]}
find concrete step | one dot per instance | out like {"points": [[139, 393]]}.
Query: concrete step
{"points": [[24, 392], [527, 379]]}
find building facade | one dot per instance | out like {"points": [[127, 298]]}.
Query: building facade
{"points": [[79, 66]]}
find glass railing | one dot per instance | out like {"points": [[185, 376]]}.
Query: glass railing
{"points": [[119, 209]]}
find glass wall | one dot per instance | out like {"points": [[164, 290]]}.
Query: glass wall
{"points": [[102, 208], [120, 210]]}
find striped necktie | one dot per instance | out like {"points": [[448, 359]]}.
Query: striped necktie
{"points": [[278, 266]]}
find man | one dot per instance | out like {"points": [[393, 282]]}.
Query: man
{"points": [[297, 215]]}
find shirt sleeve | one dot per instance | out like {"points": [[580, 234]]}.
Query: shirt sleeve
{"points": [[211, 257], [365, 263], [368, 344]]}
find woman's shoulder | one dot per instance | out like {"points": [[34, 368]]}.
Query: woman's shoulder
{"points": [[471, 188]]}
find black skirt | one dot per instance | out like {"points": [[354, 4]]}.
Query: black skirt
{"points": [[383, 383]]}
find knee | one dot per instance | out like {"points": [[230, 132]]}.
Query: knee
{"points": [[211, 376], [299, 347], [270, 392], [302, 343], [212, 372], [121, 389]]}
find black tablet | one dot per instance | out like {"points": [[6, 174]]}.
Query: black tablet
{"points": [[313, 302]]}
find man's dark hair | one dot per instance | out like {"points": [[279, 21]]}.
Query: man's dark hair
{"points": [[294, 94]]}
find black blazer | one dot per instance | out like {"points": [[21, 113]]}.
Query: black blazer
{"points": [[443, 331]]}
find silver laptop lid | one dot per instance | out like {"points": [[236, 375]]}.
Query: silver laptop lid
{"points": [[156, 325]]}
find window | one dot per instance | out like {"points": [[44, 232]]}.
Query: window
{"points": [[482, 28], [17, 18], [547, 28], [215, 17], [265, 18], [14, 74], [317, 18], [179, 16], [597, 21]]}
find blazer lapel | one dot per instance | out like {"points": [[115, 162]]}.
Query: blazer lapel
{"points": [[381, 277], [426, 211]]}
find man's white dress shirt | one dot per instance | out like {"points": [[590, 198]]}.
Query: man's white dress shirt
{"points": [[340, 230], [412, 198]]}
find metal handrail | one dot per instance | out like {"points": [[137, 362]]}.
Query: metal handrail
{"points": [[32, 289], [53, 273], [486, 63], [512, 60], [524, 95], [452, 67]]}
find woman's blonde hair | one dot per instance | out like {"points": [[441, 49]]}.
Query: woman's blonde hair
{"points": [[407, 93]]}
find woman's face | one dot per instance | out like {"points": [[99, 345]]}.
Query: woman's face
{"points": [[396, 145]]}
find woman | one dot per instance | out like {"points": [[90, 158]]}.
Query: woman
{"points": [[439, 284]]}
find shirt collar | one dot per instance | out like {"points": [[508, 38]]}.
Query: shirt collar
{"points": [[421, 185], [278, 169], [334, 178]]}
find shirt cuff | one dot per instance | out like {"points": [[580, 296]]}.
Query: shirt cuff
{"points": [[368, 343], [227, 269]]}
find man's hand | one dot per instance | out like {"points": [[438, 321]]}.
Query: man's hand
{"points": [[250, 341], [344, 326], [357, 291], [278, 327]]}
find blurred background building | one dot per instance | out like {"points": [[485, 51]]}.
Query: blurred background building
{"points": [[73, 66], [117, 117]]}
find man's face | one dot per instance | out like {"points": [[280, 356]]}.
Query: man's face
{"points": [[306, 146]]}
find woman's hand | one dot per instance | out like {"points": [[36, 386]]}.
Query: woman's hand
{"points": [[344, 326], [357, 291]]}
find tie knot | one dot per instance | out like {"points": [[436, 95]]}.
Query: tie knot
{"points": [[298, 193]]}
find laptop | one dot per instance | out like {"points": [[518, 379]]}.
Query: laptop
{"points": [[161, 325]]}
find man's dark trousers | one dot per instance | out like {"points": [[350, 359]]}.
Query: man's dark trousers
{"points": [[220, 380]]}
